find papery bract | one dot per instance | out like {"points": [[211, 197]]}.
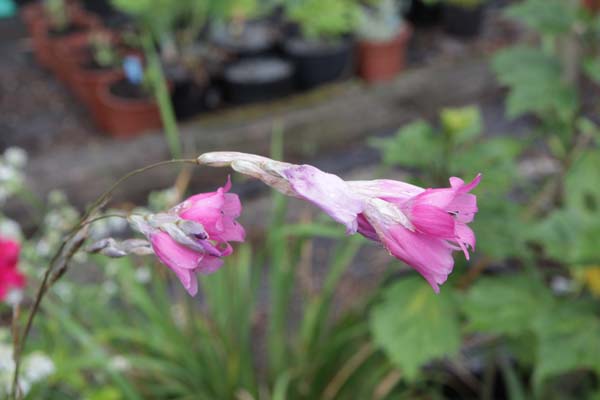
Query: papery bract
{"points": [[421, 227], [10, 277]]}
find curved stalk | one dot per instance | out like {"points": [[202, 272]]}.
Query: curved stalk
{"points": [[73, 243]]}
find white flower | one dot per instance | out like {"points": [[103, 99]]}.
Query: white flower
{"points": [[7, 365], [64, 291], [7, 173], [37, 366], [10, 229], [143, 275], [561, 285], [119, 363], [110, 288], [43, 248], [14, 297], [15, 157]]}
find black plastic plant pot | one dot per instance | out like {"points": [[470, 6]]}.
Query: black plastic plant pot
{"points": [[258, 79], [103, 8], [463, 21], [317, 63], [190, 98], [422, 14], [255, 39]]}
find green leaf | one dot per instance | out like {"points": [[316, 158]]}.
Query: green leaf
{"points": [[589, 128], [535, 82], [462, 124], [500, 231], [569, 236], [495, 158], [582, 186], [504, 305], [569, 339], [591, 67], [415, 144], [414, 326], [545, 16]]}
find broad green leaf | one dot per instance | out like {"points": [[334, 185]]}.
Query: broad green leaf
{"points": [[589, 128], [498, 226], [535, 82], [414, 326], [495, 158], [582, 188], [569, 339], [591, 67], [504, 305], [569, 236], [545, 16], [415, 145]]}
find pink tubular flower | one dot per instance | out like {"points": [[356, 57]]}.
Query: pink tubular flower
{"points": [[10, 277], [421, 227], [197, 246], [432, 225]]}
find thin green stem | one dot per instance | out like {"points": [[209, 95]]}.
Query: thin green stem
{"points": [[161, 93]]}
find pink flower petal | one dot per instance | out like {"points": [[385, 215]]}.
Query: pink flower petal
{"points": [[385, 189], [209, 264], [184, 261], [10, 277], [232, 207], [431, 257], [188, 280], [328, 192], [9, 253], [465, 237], [173, 254], [432, 221]]}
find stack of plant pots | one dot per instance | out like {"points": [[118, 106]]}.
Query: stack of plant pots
{"points": [[238, 61], [112, 105]]}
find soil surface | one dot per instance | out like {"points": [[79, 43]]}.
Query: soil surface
{"points": [[128, 90]]}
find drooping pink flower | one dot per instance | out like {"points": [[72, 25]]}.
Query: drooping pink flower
{"points": [[10, 277], [200, 247], [421, 227], [431, 225]]}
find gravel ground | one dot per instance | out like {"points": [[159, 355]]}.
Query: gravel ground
{"points": [[36, 112]]}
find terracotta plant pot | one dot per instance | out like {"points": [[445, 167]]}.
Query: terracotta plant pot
{"points": [[125, 117], [34, 17], [63, 44], [39, 41], [45, 43], [87, 83], [382, 61], [67, 53], [592, 6], [73, 54], [31, 14]]}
